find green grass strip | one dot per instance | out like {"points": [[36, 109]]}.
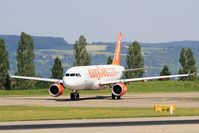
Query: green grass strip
{"points": [[31, 113]]}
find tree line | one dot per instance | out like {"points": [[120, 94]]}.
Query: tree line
{"points": [[25, 63], [26, 67]]}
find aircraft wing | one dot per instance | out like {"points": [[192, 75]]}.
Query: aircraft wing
{"points": [[37, 79], [137, 69], [142, 79]]}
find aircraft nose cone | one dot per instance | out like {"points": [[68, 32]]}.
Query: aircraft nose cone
{"points": [[66, 81], [70, 83]]}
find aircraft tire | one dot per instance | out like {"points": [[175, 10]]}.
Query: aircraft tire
{"points": [[72, 96], [77, 96], [113, 96], [118, 97]]}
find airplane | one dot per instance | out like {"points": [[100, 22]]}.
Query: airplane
{"points": [[95, 77]]}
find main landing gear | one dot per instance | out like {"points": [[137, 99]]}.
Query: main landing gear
{"points": [[74, 96], [114, 96]]}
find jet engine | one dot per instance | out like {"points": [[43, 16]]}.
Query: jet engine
{"points": [[119, 89], [56, 89]]}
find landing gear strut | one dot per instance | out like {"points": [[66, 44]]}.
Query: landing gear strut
{"points": [[74, 96], [113, 96]]}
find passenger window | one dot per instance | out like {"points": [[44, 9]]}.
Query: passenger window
{"points": [[67, 75]]}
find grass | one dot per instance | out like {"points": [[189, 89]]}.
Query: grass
{"points": [[24, 93], [164, 86], [30, 113], [136, 87]]}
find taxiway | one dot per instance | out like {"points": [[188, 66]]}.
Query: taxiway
{"points": [[127, 125], [181, 100]]}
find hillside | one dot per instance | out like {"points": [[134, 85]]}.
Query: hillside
{"points": [[158, 54], [47, 48], [43, 47]]}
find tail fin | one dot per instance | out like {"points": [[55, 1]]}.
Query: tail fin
{"points": [[116, 59]]}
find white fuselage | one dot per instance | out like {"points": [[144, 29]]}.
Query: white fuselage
{"points": [[90, 77]]}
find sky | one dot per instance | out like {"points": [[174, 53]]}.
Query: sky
{"points": [[101, 20]]}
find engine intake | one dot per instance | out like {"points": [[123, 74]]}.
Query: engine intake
{"points": [[119, 89], [56, 89]]}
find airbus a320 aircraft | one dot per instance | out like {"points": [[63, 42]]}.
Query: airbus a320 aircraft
{"points": [[95, 77]]}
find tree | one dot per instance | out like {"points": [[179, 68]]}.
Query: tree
{"points": [[188, 64], [82, 57], [109, 60], [4, 67], [57, 70], [165, 72], [8, 83], [25, 57], [41, 84], [134, 60]]}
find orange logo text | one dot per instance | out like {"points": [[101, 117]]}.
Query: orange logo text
{"points": [[102, 72]]}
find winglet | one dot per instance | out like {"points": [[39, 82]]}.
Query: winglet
{"points": [[116, 59]]}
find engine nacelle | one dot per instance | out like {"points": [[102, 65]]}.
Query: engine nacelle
{"points": [[56, 89], [119, 89]]}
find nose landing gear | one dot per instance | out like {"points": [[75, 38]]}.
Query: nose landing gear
{"points": [[74, 96]]}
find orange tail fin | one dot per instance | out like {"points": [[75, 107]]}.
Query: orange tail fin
{"points": [[116, 59]]}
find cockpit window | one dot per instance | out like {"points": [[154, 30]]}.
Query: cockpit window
{"points": [[72, 75]]}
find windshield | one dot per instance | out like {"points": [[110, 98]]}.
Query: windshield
{"points": [[72, 75]]}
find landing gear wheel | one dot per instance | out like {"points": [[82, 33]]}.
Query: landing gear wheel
{"points": [[113, 96], [77, 96], [118, 97], [74, 96]]}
